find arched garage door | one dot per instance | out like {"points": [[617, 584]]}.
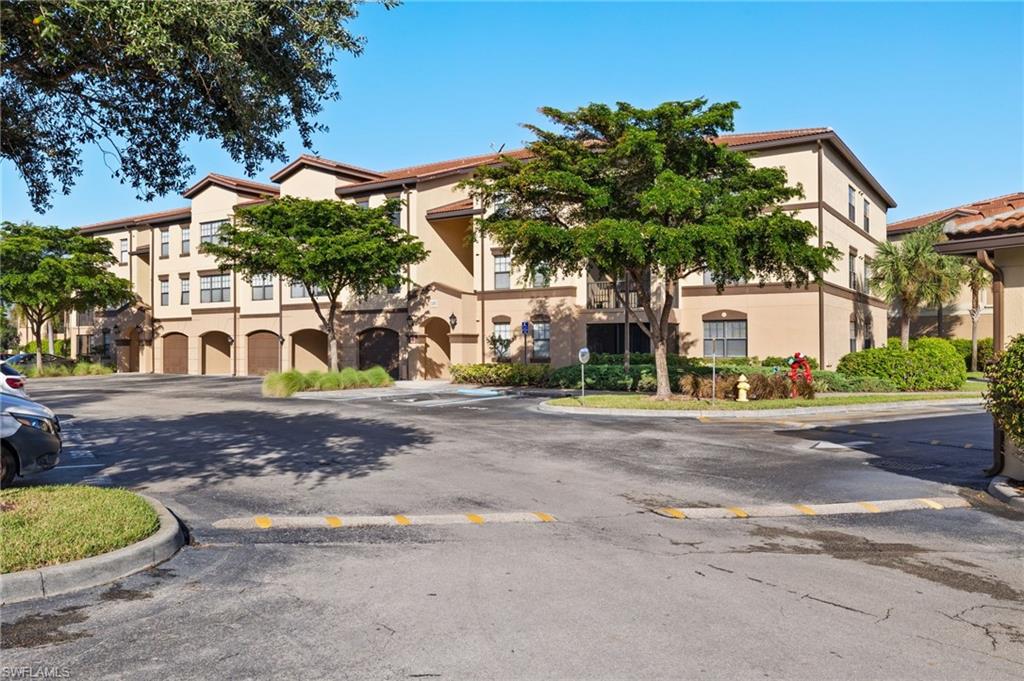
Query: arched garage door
{"points": [[379, 347], [263, 352], [309, 350], [175, 353], [216, 353]]}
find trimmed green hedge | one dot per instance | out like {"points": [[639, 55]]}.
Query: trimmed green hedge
{"points": [[640, 358], [773, 361], [61, 347], [501, 374], [986, 351], [1005, 398], [930, 364]]}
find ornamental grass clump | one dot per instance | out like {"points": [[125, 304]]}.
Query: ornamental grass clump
{"points": [[287, 383]]}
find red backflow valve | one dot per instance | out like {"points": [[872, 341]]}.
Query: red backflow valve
{"points": [[799, 368]]}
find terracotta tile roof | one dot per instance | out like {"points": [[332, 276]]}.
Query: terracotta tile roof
{"points": [[462, 205], [466, 162], [741, 138], [236, 184], [969, 211], [1001, 216], [133, 220], [325, 164]]}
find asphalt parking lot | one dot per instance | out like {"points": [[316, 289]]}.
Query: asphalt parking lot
{"points": [[602, 588]]}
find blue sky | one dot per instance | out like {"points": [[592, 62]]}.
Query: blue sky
{"points": [[929, 96]]}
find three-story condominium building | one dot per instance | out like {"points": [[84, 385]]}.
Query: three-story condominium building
{"points": [[192, 318]]}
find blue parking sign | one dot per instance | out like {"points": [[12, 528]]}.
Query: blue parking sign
{"points": [[526, 328]]}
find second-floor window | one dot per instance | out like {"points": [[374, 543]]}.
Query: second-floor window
{"points": [[124, 251], [541, 278], [186, 286], [851, 207], [396, 214], [867, 217], [542, 340], [852, 264], [867, 273], [209, 232], [165, 243], [502, 271], [186, 240], [262, 287], [299, 290], [165, 292], [215, 288]]}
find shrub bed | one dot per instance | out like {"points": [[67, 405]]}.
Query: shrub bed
{"points": [[79, 369], [286, 383], [1005, 398], [930, 364], [641, 358], [501, 374], [985, 351]]}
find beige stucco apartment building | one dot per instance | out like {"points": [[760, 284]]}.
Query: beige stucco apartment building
{"points": [[193, 319], [955, 316]]}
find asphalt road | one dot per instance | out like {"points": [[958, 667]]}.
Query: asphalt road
{"points": [[608, 590]]}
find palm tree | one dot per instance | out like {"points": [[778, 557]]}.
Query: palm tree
{"points": [[950, 275], [907, 274], [977, 279]]}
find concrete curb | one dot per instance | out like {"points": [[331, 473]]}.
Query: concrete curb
{"points": [[1000, 488], [757, 413], [89, 572]]}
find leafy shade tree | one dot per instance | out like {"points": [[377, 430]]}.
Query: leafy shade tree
{"points": [[8, 329], [139, 79], [328, 246], [909, 273], [648, 193], [48, 272], [977, 279]]}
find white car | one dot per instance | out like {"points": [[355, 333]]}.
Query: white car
{"points": [[30, 440], [13, 383]]}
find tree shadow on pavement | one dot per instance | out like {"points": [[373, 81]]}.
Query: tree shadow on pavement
{"points": [[208, 448], [952, 449]]}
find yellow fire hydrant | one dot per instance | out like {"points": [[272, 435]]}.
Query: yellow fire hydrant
{"points": [[742, 386]]}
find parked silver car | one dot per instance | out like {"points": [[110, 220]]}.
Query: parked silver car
{"points": [[11, 381], [30, 436]]}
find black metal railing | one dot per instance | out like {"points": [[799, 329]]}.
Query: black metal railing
{"points": [[601, 295]]}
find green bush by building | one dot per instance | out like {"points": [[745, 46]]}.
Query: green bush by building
{"points": [[929, 364]]}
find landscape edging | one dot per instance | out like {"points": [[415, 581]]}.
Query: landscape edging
{"points": [[752, 413], [54, 580], [1001, 490]]}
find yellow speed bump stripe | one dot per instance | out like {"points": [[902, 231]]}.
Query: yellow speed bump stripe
{"points": [[544, 517], [402, 520], [332, 521], [932, 504], [871, 508], [799, 510], [806, 510], [672, 513], [738, 512], [311, 522], [474, 518], [262, 521]]}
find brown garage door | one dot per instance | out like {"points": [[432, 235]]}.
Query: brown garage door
{"points": [[176, 354], [263, 349], [379, 347]]}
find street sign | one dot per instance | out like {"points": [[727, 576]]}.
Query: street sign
{"points": [[526, 328], [584, 355]]}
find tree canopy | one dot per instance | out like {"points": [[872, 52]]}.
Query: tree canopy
{"points": [[328, 246], [50, 271], [640, 191], [909, 273], [140, 79]]}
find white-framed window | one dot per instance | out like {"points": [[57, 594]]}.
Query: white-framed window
{"points": [[867, 217], [502, 330], [867, 273], [165, 243], [124, 251], [502, 271], [165, 292], [299, 291], [209, 232], [396, 214], [725, 338], [853, 335], [363, 202], [852, 263], [851, 207], [262, 287], [186, 286], [541, 340], [186, 240], [215, 288], [541, 278]]}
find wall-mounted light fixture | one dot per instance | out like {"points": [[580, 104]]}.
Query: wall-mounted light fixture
{"points": [[453, 320]]}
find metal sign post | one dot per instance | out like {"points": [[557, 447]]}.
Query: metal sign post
{"points": [[714, 374], [584, 356], [525, 326]]}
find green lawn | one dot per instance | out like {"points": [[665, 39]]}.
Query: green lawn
{"points": [[60, 523], [635, 401]]}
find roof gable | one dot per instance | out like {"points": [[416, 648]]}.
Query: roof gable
{"points": [[234, 184]]}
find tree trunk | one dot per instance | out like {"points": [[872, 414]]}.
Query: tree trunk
{"points": [[905, 331], [660, 346], [938, 319], [49, 337], [37, 332], [974, 341], [332, 349]]}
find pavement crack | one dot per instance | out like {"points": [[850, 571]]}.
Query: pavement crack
{"points": [[720, 569], [888, 611], [837, 605]]}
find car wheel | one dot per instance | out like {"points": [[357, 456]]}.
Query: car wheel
{"points": [[9, 468]]}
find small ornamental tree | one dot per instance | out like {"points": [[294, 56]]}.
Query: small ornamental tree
{"points": [[328, 246], [1005, 397], [977, 279], [647, 192], [48, 272]]}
